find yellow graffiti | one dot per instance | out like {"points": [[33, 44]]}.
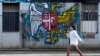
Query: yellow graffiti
{"points": [[52, 38], [38, 36], [65, 19], [58, 32], [53, 7], [68, 16]]}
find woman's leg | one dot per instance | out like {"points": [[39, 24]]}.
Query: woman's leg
{"points": [[78, 50], [68, 50]]}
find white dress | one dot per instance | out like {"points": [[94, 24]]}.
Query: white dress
{"points": [[74, 37]]}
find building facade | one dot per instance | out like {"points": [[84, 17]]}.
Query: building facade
{"points": [[44, 24]]}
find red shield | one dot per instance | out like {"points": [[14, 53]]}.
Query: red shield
{"points": [[54, 21], [49, 21], [46, 21]]}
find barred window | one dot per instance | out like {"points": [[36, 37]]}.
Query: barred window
{"points": [[10, 17], [89, 18]]}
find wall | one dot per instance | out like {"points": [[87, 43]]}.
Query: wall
{"points": [[34, 33], [11, 40]]}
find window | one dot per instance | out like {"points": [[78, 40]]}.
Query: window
{"points": [[10, 17], [89, 18]]}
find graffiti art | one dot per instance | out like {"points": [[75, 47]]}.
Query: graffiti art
{"points": [[49, 21]]}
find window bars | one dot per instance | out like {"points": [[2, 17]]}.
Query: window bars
{"points": [[89, 18]]}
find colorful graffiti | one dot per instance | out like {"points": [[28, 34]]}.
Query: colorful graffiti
{"points": [[48, 21]]}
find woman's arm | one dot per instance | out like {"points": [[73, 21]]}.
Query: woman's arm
{"points": [[67, 33], [77, 36]]}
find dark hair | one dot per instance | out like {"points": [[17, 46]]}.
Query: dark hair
{"points": [[73, 27]]}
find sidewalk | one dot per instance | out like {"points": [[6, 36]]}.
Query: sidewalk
{"points": [[47, 53]]}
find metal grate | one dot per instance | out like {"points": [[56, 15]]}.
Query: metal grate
{"points": [[89, 21], [10, 17]]}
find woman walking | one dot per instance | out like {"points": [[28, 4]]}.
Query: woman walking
{"points": [[74, 37]]}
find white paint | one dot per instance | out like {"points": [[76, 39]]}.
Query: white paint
{"points": [[33, 10], [24, 6], [11, 40], [34, 26], [45, 5], [34, 18]]}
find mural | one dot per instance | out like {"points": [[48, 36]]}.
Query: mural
{"points": [[49, 21]]}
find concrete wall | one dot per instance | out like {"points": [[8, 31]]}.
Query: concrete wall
{"points": [[11, 40], [14, 39], [0, 24]]}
